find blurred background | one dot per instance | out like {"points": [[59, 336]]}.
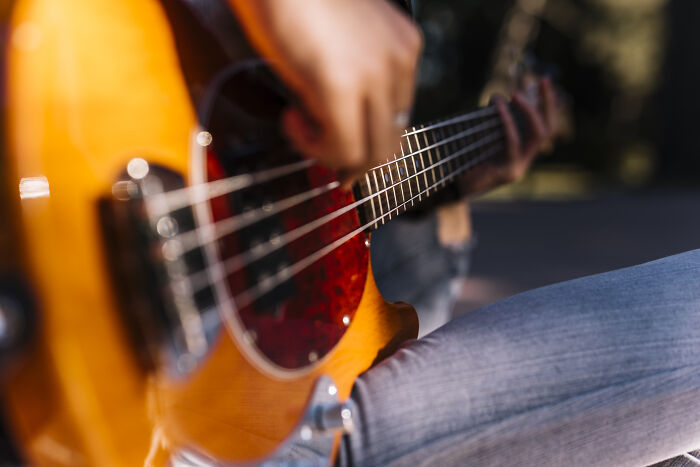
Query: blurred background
{"points": [[624, 188]]}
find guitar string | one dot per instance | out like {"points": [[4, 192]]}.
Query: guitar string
{"points": [[188, 241], [485, 112], [193, 194], [206, 234], [184, 197], [198, 280], [266, 285], [239, 261], [209, 233], [487, 125]]}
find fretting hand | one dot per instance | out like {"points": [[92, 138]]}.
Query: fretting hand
{"points": [[518, 156]]}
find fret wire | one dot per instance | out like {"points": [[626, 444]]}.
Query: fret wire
{"points": [[422, 163], [388, 202], [379, 200], [456, 129], [486, 111], [415, 168], [401, 174], [439, 133], [398, 177], [414, 165], [430, 156], [388, 210], [397, 186], [466, 139], [492, 123], [478, 151], [410, 189], [437, 156], [369, 189], [416, 179]]}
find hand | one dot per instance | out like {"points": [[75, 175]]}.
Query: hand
{"points": [[518, 156], [352, 64]]}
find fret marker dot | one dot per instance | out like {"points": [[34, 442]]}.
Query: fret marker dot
{"points": [[401, 171], [386, 178]]}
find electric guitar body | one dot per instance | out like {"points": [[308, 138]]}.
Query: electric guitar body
{"points": [[171, 319]]}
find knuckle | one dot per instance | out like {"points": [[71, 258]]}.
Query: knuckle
{"points": [[416, 40], [405, 58], [343, 81], [515, 173]]}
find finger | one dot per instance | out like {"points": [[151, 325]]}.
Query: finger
{"points": [[493, 100], [302, 133], [407, 44], [549, 107], [403, 93], [347, 178], [513, 142], [538, 131], [403, 25], [383, 135], [343, 140]]}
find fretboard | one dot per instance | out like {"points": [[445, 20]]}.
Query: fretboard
{"points": [[432, 156]]}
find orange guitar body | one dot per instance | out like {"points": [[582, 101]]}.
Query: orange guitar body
{"points": [[91, 84]]}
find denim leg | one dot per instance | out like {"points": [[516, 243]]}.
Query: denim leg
{"points": [[603, 370], [410, 265]]}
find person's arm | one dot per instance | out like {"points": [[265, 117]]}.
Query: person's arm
{"points": [[353, 66]]}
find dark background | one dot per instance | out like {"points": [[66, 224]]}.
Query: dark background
{"points": [[624, 189], [630, 68]]}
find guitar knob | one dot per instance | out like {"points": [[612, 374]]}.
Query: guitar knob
{"points": [[337, 416]]}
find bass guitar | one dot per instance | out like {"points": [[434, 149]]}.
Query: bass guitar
{"points": [[203, 293]]}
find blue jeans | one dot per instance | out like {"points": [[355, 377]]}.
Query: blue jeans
{"points": [[410, 265], [603, 370]]}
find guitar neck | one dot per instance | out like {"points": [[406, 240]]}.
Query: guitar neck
{"points": [[432, 156]]}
